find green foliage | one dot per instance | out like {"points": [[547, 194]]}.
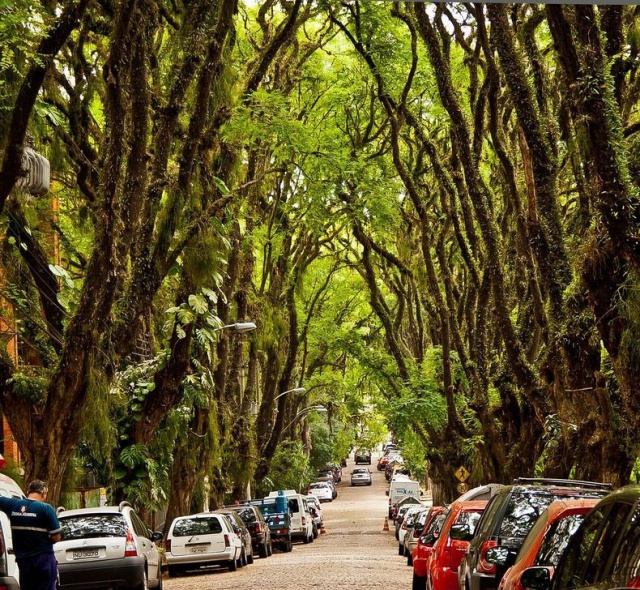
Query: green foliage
{"points": [[289, 469], [29, 387]]}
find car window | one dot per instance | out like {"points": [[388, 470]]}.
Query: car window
{"points": [[138, 526], [469, 518], [522, 512], [488, 516], [533, 534], [556, 538], [626, 569], [246, 514], [186, 527], [92, 526], [293, 505]]}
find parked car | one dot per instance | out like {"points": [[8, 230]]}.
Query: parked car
{"points": [[448, 550], [546, 541], [321, 490], [9, 575], [424, 547], [258, 528], [316, 513], [240, 529], [507, 520], [409, 517], [413, 534], [603, 553], [326, 472], [406, 500], [204, 539], [107, 546], [301, 521], [362, 456], [360, 476]]}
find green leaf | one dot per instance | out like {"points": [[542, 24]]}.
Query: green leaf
{"points": [[198, 303], [221, 186]]}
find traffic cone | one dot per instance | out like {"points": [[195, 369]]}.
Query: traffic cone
{"points": [[323, 531], [386, 524]]}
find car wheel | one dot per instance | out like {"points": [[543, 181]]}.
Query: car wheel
{"points": [[369, 484], [243, 559], [400, 549], [419, 583], [409, 559], [289, 546], [263, 550], [270, 549], [159, 584], [174, 571], [305, 540], [144, 584], [233, 565], [250, 557]]}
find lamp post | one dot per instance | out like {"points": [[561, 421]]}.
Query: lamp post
{"points": [[304, 412], [239, 327], [297, 390]]}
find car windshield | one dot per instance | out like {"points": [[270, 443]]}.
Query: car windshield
{"points": [[186, 527], [246, 514], [356, 471], [93, 525]]}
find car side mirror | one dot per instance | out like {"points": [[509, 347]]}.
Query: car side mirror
{"points": [[497, 556], [157, 536], [461, 532], [536, 578]]}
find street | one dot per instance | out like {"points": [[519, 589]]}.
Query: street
{"points": [[354, 552]]}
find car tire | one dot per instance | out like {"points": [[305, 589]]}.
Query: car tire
{"points": [[174, 571], [270, 549], [263, 550], [243, 559], [159, 584], [233, 565], [400, 549], [144, 584], [289, 548], [369, 484], [419, 583], [409, 559]]}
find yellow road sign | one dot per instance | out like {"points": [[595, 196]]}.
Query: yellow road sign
{"points": [[462, 474]]}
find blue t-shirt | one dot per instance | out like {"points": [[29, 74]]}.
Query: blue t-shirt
{"points": [[31, 524]]}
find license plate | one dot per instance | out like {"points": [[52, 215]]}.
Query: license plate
{"points": [[88, 554], [198, 549]]}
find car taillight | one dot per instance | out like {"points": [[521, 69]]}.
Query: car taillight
{"points": [[227, 541], [130, 549], [167, 545], [258, 527], [304, 520], [484, 566]]}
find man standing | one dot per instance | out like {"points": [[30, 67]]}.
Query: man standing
{"points": [[35, 529]]}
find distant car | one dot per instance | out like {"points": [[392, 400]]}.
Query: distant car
{"points": [[360, 476], [107, 546], [413, 534], [321, 490], [240, 529], [258, 528], [362, 456], [203, 539], [315, 509], [546, 541]]}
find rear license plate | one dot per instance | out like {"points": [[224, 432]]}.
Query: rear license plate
{"points": [[86, 554], [198, 548]]}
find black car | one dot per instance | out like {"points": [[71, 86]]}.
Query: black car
{"points": [[258, 528], [604, 552], [362, 456], [506, 521]]}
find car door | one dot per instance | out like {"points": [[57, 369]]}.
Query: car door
{"points": [[148, 547]]}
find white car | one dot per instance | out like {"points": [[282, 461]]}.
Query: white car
{"points": [[321, 490], [201, 540], [9, 575], [360, 476], [318, 518]]}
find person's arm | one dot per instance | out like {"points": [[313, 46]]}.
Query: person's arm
{"points": [[55, 530]]}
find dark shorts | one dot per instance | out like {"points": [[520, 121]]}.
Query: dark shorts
{"points": [[39, 572]]}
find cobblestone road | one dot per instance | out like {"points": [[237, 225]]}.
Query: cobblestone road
{"points": [[354, 553]]}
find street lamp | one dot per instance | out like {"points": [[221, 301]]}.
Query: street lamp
{"points": [[304, 412], [297, 391], [239, 327]]}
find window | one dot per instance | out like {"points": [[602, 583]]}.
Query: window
{"points": [[556, 539], [187, 527], [93, 526], [522, 512], [470, 519], [626, 568]]}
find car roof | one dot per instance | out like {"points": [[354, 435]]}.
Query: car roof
{"points": [[63, 513]]}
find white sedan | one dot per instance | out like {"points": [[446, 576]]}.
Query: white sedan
{"points": [[360, 476], [321, 490]]}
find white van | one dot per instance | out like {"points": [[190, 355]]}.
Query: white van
{"points": [[400, 487], [8, 569], [301, 520]]}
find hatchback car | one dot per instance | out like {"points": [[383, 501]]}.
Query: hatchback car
{"points": [[507, 520], [108, 546], [546, 542], [203, 539], [258, 528], [424, 547], [603, 553], [362, 456], [321, 490], [448, 551], [360, 476]]}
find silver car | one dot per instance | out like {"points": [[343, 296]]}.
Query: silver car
{"points": [[360, 476], [107, 546]]}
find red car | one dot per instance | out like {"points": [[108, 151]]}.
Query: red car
{"points": [[546, 541], [448, 551], [420, 554]]}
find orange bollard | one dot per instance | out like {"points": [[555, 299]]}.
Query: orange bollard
{"points": [[386, 524]]}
